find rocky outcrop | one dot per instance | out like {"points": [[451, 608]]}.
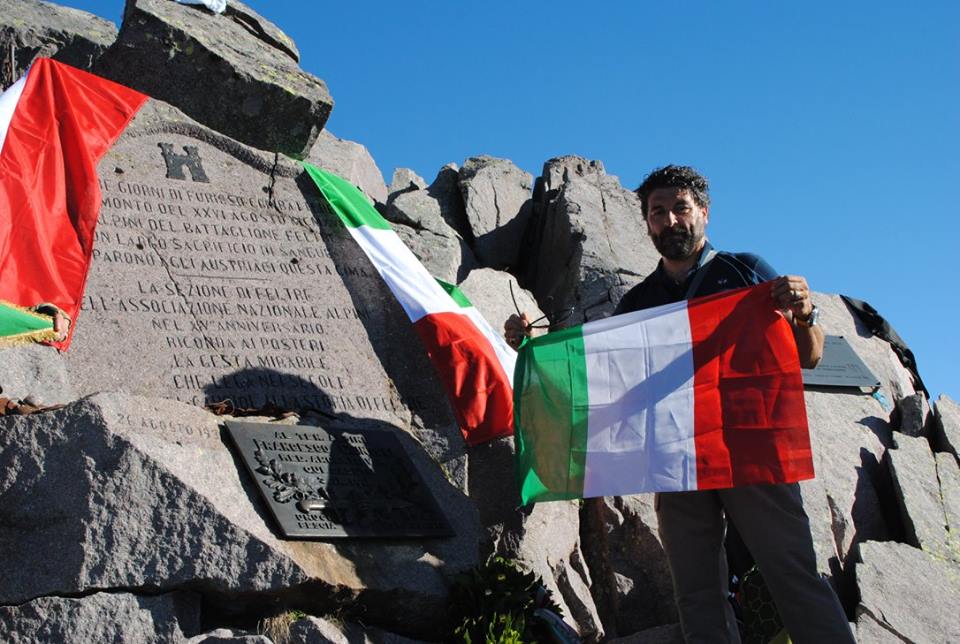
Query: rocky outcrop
{"points": [[586, 242], [262, 96], [228, 636], [35, 373], [543, 538], [317, 630], [102, 617], [219, 278], [947, 425], [496, 198], [351, 161], [404, 180], [632, 587], [124, 492], [914, 471], [895, 588], [948, 476], [30, 29], [432, 223]]}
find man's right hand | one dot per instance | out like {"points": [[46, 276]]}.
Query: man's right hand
{"points": [[516, 329]]}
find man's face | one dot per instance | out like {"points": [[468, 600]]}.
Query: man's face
{"points": [[675, 222]]}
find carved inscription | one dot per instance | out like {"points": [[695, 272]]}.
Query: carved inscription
{"points": [[232, 294], [337, 483]]}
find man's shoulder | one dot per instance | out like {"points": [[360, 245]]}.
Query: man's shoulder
{"points": [[745, 268]]}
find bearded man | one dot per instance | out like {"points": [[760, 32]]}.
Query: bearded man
{"points": [[675, 203]]}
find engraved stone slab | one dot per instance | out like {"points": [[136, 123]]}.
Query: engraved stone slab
{"points": [[324, 483], [840, 366], [217, 274]]}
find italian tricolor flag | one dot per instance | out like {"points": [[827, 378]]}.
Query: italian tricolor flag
{"points": [[55, 125], [701, 394], [474, 361]]}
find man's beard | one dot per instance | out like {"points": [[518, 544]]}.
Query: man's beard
{"points": [[677, 243]]}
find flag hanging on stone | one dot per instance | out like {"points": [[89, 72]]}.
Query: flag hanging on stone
{"points": [[18, 326], [473, 361], [55, 125], [701, 394]]}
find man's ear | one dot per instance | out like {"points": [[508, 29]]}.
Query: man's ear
{"points": [[706, 214]]}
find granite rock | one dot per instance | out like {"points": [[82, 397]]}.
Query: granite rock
{"points": [[102, 617], [351, 161], [404, 180], [489, 291], [946, 431], [543, 537], [851, 499], [586, 243], [431, 222], [914, 471], [31, 29], [948, 474], [632, 586], [912, 414], [262, 96], [897, 584], [869, 630], [125, 492], [228, 636], [666, 634], [35, 372], [219, 274], [319, 630], [496, 198]]}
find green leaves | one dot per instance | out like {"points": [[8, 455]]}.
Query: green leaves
{"points": [[495, 603]]}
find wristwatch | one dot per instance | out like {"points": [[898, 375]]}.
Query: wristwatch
{"points": [[812, 319]]}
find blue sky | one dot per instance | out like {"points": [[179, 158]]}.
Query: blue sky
{"points": [[829, 131]]}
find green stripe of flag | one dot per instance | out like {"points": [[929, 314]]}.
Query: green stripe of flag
{"points": [[17, 323], [455, 294], [349, 203], [550, 392]]}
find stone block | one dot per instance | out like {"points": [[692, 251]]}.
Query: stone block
{"points": [[262, 97], [142, 494], [914, 471], [897, 584], [586, 242], [496, 198], [30, 29], [946, 433], [102, 617], [36, 372], [351, 161]]}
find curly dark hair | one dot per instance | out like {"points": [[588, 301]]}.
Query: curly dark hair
{"points": [[675, 176]]}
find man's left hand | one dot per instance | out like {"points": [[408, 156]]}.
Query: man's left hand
{"points": [[791, 293]]}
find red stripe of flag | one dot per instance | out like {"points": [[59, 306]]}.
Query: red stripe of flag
{"points": [[750, 421], [478, 389], [64, 122]]}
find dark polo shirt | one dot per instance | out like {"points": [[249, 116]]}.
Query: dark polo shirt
{"points": [[725, 271]]}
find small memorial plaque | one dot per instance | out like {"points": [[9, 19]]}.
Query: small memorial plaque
{"points": [[840, 366], [334, 483]]}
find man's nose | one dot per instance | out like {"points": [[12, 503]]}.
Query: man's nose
{"points": [[672, 219]]}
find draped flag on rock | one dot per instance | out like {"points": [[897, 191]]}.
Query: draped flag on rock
{"points": [[696, 395], [17, 326], [473, 361], [55, 125]]}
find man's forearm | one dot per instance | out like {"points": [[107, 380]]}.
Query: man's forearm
{"points": [[809, 344]]}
